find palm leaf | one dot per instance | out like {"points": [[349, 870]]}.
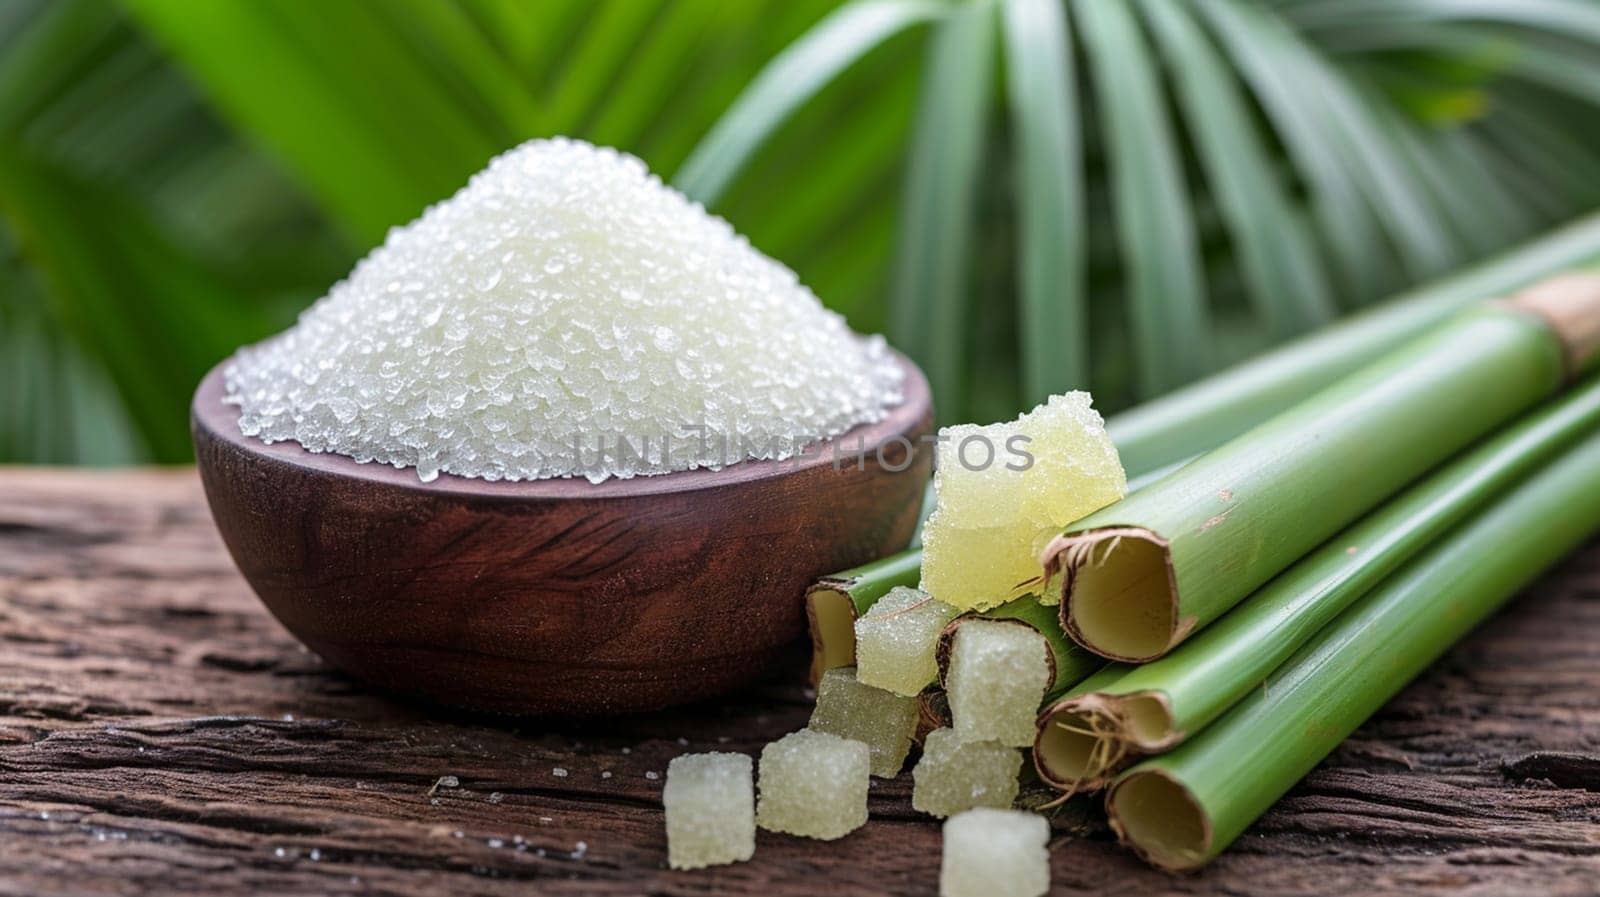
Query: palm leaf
{"points": [[1399, 201], [1450, 187], [793, 77], [529, 35], [1345, 221], [599, 55], [927, 308], [1281, 268], [1054, 319], [448, 38], [1287, 152], [45, 51], [156, 351], [1166, 291], [840, 186], [1578, 18], [365, 173], [668, 49]]}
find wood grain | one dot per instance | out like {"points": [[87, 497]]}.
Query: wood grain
{"points": [[160, 733]]}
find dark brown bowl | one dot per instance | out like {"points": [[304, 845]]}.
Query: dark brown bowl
{"points": [[555, 596]]}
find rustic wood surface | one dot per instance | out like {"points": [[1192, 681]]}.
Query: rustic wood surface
{"points": [[161, 733]]}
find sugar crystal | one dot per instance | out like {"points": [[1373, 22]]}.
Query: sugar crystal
{"points": [[995, 853], [881, 720], [955, 775], [564, 314], [710, 804], [813, 784], [996, 510], [997, 677], [896, 638]]}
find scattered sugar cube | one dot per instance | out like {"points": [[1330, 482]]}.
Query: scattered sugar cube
{"points": [[995, 853], [813, 784], [997, 677], [955, 775], [711, 820], [991, 519], [895, 641], [881, 720]]}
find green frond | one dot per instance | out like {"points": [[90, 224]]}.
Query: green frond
{"points": [[1150, 195], [928, 310], [793, 77], [1050, 203], [1149, 189]]}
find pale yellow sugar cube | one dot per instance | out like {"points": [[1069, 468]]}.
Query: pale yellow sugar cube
{"points": [[883, 721], [710, 804], [995, 853], [981, 545], [955, 775], [813, 784], [896, 638], [998, 675]]}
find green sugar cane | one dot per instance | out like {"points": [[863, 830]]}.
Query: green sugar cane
{"points": [[1213, 410], [1142, 575], [1075, 745], [1198, 417], [834, 602], [1159, 704], [1180, 809]]}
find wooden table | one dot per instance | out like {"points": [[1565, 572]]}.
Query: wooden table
{"points": [[160, 733]]}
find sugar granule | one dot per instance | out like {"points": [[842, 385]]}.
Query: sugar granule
{"points": [[883, 721], [995, 853], [955, 775], [997, 677], [710, 806], [813, 784], [895, 641], [564, 314]]}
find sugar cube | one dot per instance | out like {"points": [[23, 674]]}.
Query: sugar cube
{"points": [[709, 800], [955, 775], [995, 853], [813, 784], [881, 720], [895, 641], [997, 677], [1004, 490]]}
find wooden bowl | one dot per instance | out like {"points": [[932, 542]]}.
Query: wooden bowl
{"points": [[555, 596]]}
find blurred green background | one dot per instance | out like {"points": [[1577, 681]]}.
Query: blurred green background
{"points": [[1026, 195]]}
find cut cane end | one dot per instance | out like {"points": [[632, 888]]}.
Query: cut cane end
{"points": [[1147, 722], [1158, 818], [831, 618], [1077, 747], [1119, 594]]}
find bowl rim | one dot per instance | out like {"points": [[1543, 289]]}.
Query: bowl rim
{"points": [[218, 420]]}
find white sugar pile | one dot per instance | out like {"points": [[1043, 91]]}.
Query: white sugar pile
{"points": [[564, 314]]}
